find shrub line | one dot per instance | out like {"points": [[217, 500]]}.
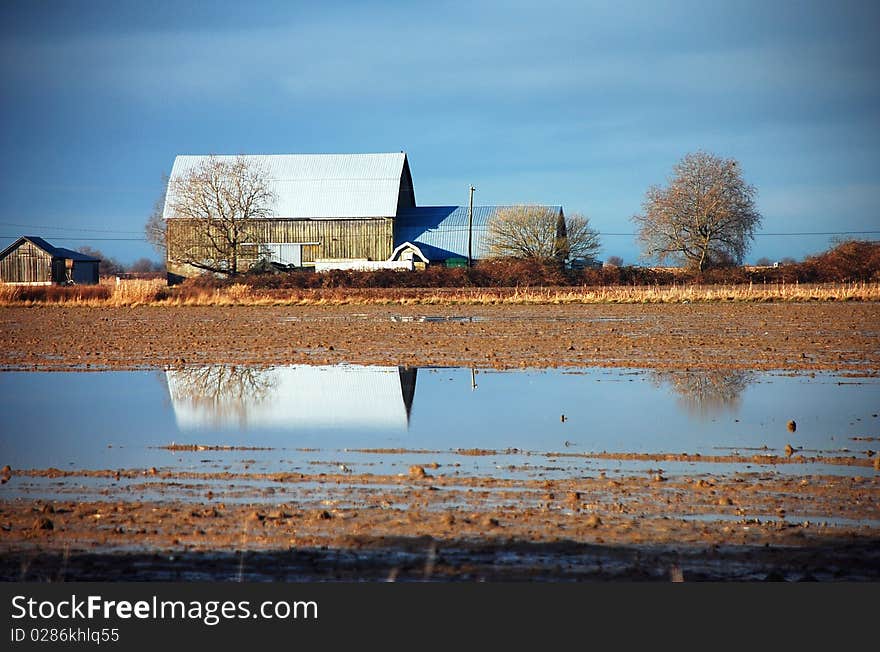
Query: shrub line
{"points": [[156, 293]]}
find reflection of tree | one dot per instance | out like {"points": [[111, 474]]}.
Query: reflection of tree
{"points": [[706, 392], [223, 392]]}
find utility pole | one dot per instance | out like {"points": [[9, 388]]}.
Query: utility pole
{"points": [[471, 228]]}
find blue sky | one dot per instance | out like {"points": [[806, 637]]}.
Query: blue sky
{"points": [[583, 104]]}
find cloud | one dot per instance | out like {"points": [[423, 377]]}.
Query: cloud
{"points": [[847, 206], [362, 55]]}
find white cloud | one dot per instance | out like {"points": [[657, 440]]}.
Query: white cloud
{"points": [[820, 207], [399, 56]]}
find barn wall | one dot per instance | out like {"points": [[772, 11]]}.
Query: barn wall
{"points": [[26, 264], [59, 270], [337, 238], [85, 272]]}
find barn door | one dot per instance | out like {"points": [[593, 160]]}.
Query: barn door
{"points": [[290, 254], [285, 253], [59, 270]]}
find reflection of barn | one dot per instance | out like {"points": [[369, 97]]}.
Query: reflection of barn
{"points": [[293, 397], [347, 211], [33, 261]]}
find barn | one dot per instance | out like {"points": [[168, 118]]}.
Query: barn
{"points": [[326, 206], [31, 260], [344, 211]]}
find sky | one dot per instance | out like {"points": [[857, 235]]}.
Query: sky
{"points": [[583, 104]]}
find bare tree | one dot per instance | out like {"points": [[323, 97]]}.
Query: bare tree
{"points": [[582, 239], [614, 261], [220, 200], [540, 232], [706, 216], [145, 266], [155, 229], [706, 392], [108, 266]]}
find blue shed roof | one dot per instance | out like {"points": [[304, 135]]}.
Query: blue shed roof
{"points": [[441, 232], [62, 252], [52, 250]]}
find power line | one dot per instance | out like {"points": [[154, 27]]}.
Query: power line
{"points": [[445, 230], [58, 237], [792, 233], [786, 233], [823, 233], [64, 228], [453, 230]]}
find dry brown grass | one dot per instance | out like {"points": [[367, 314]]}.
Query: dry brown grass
{"points": [[26, 294], [138, 292], [156, 293], [10, 294]]}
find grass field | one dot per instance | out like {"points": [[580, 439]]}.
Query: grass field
{"points": [[156, 292]]}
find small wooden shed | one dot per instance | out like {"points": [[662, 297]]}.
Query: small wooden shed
{"points": [[33, 261]]}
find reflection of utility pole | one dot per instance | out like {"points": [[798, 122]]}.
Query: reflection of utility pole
{"points": [[473, 378], [470, 227]]}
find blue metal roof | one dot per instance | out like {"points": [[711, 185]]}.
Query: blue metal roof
{"points": [[56, 252], [441, 232], [61, 252]]}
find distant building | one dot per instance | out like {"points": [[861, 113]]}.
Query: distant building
{"points": [[441, 232], [341, 211], [33, 261]]}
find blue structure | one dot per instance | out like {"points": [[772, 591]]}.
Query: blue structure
{"points": [[30, 260], [441, 232]]}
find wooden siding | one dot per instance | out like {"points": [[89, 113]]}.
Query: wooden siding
{"points": [[26, 263], [372, 239]]}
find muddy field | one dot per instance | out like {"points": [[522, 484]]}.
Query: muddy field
{"points": [[767, 515], [431, 524], [819, 336]]}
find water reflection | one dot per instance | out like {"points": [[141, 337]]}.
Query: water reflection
{"points": [[292, 397], [352, 396], [706, 393], [435, 319], [116, 419], [220, 394]]}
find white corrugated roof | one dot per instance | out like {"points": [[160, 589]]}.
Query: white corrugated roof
{"points": [[321, 185]]}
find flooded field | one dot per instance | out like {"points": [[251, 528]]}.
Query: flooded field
{"points": [[755, 460], [326, 453], [296, 416]]}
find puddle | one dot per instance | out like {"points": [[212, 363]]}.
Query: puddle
{"points": [[308, 416], [438, 319], [789, 520], [471, 319]]}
